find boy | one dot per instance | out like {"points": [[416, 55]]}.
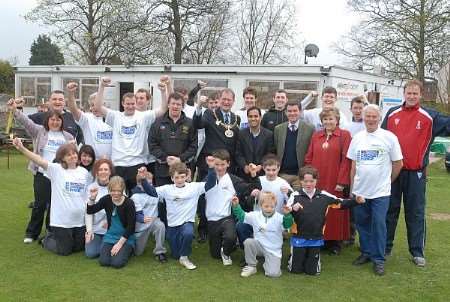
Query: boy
{"points": [[181, 202], [309, 209], [221, 224], [147, 221], [356, 107], [268, 226]]}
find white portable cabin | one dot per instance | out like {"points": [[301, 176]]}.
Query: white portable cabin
{"points": [[34, 83]]}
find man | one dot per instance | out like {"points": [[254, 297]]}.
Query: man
{"points": [[143, 98], [376, 162], [329, 97], [277, 114], [221, 129], [56, 102], [96, 132], [249, 96], [254, 143], [130, 131], [172, 139], [292, 140], [416, 127], [356, 107]]}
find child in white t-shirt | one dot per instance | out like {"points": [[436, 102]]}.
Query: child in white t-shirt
{"points": [[268, 226]]}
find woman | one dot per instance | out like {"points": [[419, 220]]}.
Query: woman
{"points": [[327, 153], [119, 240], [97, 224], [68, 185], [47, 138], [86, 156]]}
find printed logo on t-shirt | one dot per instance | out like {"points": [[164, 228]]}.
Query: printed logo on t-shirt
{"points": [[74, 187], [128, 131], [54, 144], [103, 137], [370, 156]]}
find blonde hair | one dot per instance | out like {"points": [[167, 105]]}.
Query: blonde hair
{"points": [[266, 196], [330, 112], [116, 181]]}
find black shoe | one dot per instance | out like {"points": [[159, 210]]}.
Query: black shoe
{"points": [[387, 253], [201, 237], [242, 262], [334, 251], [362, 259], [31, 205], [378, 269], [162, 258]]}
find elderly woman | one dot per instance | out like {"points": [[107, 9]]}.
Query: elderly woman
{"points": [[96, 224], [119, 240], [47, 138], [327, 153]]}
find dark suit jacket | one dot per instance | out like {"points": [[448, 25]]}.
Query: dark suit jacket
{"points": [[305, 132], [215, 134], [246, 152]]}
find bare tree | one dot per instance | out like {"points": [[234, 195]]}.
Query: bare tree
{"points": [[265, 31], [408, 37], [94, 27]]}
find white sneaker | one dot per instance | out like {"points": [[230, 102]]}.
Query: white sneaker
{"points": [[419, 261], [248, 270], [184, 260], [226, 260], [28, 240]]}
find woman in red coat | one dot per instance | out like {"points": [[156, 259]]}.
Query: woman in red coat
{"points": [[328, 154]]}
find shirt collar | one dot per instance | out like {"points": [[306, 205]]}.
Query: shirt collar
{"points": [[296, 124]]}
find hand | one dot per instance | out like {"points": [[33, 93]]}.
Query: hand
{"points": [[72, 141], [164, 79], [105, 224], [116, 248], [148, 219], [105, 81], [162, 86], [172, 159], [72, 87], [17, 142], [253, 169], [201, 84], [141, 173], [88, 236], [360, 199], [234, 200], [93, 193], [149, 177], [287, 209], [284, 189], [255, 193], [339, 188], [210, 161], [297, 207]]}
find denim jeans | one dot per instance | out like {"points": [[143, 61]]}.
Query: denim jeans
{"points": [[93, 248], [370, 220], [180, 239]]}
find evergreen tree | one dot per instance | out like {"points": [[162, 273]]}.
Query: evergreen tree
{"points": [[44, 52]]}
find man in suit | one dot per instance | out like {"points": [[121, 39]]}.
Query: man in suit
{"points": [[291, 140], [221, 130], [253, 144]]}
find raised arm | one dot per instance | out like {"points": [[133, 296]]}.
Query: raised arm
{"points": [[30, 127], [99, 100], [308, 99], [17, 142], [72, 104], [164, 85], [193, 93]]}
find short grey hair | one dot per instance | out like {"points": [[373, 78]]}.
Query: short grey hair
{"points": [[372, 107]]}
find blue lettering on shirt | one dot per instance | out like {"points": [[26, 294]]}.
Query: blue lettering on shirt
{"points": [[74, 187], [367, 155], [55, 143], [128, 131], [104, 135]]}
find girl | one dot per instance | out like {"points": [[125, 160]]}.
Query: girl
{"points": [[119, 239], [47, 138], [86, 157], [68, 185], [96, 224]]}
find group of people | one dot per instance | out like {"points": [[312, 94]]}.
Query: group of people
{"points": [[105, 180]]}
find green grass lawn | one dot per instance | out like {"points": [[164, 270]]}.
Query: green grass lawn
{"points": [[28, 273]]}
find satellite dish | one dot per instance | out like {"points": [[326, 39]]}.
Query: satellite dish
{"points": [[311, 50]]}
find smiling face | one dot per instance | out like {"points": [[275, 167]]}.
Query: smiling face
{"points": [[308, 183], [54, 123], [116, 193], [71, 159], [179, 179], [129, 105], [279, 100], [356, 110], [412, 95], [271, 171], [141, 101], [268, 207], [371, 119], [254, 118], [221, 166], [329, 122], [293, 113], [56, 102], [103, 174], [175, 107], [328, 100], [249, 100], [86, 159], [226, 101]]}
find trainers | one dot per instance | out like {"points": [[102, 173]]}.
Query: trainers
{"points": [[362, 259], [248, 270], [419, 261], [378, 269], [161, 258], [184, 260], [28, 240], [226, 260]]}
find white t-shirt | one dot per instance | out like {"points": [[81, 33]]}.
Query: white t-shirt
{"points": [[68, 203], [275, 186], [374, 153], [268, 231], [242, 113], [148, 205], [181, 203], [312, 117], [99, 217], [55, 140], [189, 110], [218, 199], [96, 133], [130, 134], [355, 127]]}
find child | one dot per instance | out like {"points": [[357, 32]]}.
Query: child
{"points": [[309, 209], [268, 226], [147, 220], [181, 203], [221, 224]]}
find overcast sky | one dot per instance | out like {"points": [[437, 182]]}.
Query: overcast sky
{"points": [[321, 22]]}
